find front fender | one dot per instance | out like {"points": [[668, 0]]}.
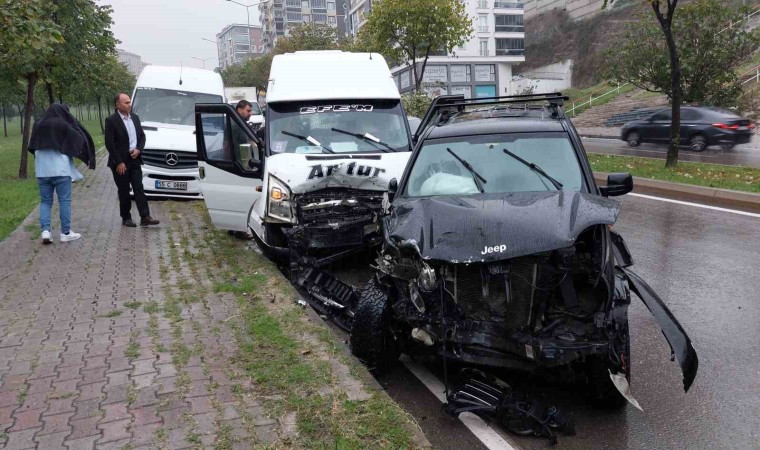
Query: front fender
{"points": [[680, 344]]}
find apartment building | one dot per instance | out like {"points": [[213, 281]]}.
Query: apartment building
{"points": [[358, 11], [132, 61], [233, 44], [482, 67], [277, 16]]}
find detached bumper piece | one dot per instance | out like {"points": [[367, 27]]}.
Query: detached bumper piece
{"points": [[329, 296], [517, 412]]}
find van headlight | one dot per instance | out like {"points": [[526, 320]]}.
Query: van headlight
{"points": [[279, 204]]}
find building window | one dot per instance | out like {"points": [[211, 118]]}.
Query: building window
{"points": [[294, 16], [331, 6], [483, 46], [304, 3], [506, 4], [293, 3], [482, 4], [510, 23], [510, 46], [485, 72], [460, 73], [331, 20], [317, 4], [320, 18], [483, 23], [306, 18]]}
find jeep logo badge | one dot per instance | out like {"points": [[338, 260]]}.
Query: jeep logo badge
{"points": [[172, 159], [495, 249]]}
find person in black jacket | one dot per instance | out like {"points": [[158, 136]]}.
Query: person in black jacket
{"points": [[125, 140]]}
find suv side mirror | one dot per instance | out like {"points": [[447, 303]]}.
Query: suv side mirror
{"points": [[617, 184], [392, 188]]}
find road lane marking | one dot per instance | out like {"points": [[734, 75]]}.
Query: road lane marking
{"points": [[696, 205], [477, 426]]}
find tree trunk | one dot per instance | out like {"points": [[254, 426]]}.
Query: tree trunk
{"points": [[100, 116], [31, 84], [5, 125], [675, 87], [50, 92]]}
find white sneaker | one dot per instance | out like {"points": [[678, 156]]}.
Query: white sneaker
{"points": [[70, 237], [46, 237]]}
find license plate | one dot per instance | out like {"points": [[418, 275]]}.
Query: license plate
{"points": [[175, 185], [743, 128]]}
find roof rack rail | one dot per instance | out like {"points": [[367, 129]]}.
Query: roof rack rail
{"points": [[444, 103]]}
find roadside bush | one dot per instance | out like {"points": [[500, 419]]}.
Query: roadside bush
{"points": [[416, 103]]}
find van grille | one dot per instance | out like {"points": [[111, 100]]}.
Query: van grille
{"points": [[158, 158]]}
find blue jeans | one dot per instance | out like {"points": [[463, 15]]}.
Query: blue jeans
{"points": [[62, 188]]}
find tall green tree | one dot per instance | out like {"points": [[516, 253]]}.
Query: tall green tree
{"points": [[710, 51], [410, 31], [29, 38]]}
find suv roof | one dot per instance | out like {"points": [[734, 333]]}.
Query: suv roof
{"points": [[453, 115]]}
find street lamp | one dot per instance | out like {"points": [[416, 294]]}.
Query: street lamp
{"points": [[202, 60], [248, 14]]}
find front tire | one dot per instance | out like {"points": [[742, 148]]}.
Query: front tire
{"points": [[371, 338], [697, 143], [633, 139]]}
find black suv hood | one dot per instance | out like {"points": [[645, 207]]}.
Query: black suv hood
{"points": [[461, 229]]}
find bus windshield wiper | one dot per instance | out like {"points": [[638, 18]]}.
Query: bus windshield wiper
{"points": [[366, 137], [536, 169], [308, 139], [479, 181]]}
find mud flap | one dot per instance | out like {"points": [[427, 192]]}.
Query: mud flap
{"points": [[680, 344]]}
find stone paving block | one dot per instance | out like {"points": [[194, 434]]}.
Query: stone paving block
{"points": [[85, 427], [27, 419], [51, 441], [145, 415], [60, 406], [19, 440], [115, 394], [93, 376], [144, 381], [115, 411], [178, 437], [35, 401], [56, 424], [144, 434], [114, 431], [91, 391], [118, 364], [174, 418], [85, 443], [69, 372], [143, 367], [87, 408], [118, 378]]}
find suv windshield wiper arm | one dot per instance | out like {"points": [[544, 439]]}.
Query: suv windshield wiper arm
{"points": [[308, 139], [365, 137], [536, 169], [479, 181]]}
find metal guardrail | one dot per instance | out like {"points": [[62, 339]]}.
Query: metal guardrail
{"points": [[591, 98], [755, 77]]}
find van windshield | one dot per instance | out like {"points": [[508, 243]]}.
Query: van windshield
{"points": [[169, 106], [337, 126]]}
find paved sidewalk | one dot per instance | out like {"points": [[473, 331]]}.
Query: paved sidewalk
{"points": [[88, 359]]}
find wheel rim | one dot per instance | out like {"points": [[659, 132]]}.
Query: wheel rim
{"points": [[633, 139], [697, 143]]}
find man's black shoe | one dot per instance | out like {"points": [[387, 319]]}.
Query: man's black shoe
{"points": [[148, 220], [128, 223]]}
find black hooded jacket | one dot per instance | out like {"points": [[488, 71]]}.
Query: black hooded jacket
{"points": [[58, 130]]}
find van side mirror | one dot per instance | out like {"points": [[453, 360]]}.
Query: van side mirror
{"points": [[392, 188], [617, 184]]}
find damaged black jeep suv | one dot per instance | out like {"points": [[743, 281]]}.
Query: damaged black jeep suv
{"points": [[499, 252]]}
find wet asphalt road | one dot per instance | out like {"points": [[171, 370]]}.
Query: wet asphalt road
{"points": [[704, 264], [741, 155]]}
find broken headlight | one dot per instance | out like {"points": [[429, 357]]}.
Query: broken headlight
{"points": [[279, 201]]}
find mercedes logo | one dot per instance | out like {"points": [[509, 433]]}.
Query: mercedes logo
{"points": [[172, 159]]}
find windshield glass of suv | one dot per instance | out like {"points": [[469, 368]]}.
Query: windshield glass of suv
{"points": [[169, 106], [438, 171], [375, 122]]}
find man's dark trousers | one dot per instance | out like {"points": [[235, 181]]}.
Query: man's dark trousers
{"points": [[132, 176]]}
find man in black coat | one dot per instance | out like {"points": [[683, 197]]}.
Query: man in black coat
{"points": [[125, 140]]}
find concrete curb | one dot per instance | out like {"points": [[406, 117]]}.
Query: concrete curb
{"points": [[745, 201]]}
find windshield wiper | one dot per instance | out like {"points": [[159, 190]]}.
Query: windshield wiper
{"points": [[536, 169], [308, 139], [479, 181], [366, 137]]}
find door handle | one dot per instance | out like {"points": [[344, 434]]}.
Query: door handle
{"points": [[202, 172]]}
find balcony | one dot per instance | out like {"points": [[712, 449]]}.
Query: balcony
{"points": [[510, 28], [510, 52], [483, 29], [508, 5], [482, 4]]}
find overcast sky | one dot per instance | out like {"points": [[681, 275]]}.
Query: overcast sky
{"points": [[165, 32]]}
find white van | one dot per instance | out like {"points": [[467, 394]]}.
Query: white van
{"points": [[335, 135], [165, 98], [235, 94]]}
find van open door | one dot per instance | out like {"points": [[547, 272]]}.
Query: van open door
{"points": [[231, 165]]}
